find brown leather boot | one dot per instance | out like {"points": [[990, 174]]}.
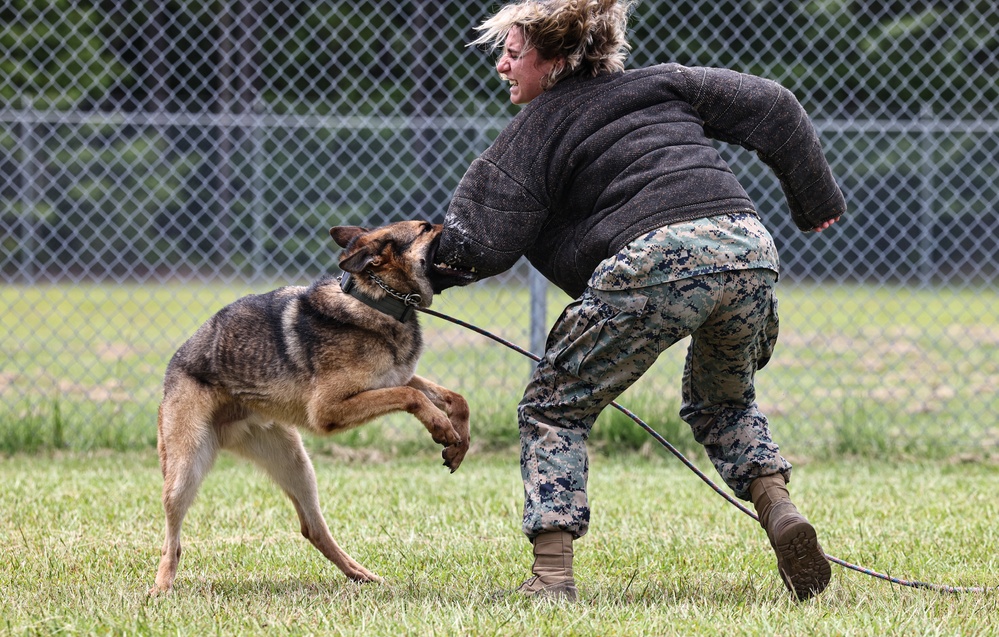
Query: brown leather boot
{"points": [[552, 568], [800, 560]]}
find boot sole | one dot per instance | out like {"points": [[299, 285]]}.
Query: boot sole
{"points": [[802, 563], [558, 591]]}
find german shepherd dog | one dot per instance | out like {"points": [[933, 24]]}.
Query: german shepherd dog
{"points": [[317, 358]]}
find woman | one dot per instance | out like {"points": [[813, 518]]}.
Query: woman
{"points": [[609, 183]]}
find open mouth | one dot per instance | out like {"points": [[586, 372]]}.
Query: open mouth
{"points": [[447, 270], [444, 275], [512, 82]]}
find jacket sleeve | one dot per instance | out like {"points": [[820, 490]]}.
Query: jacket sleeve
{"points": [[491, 221], [763, 116]]}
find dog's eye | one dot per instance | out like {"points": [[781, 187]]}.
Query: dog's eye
{"points": [[427, 227]]}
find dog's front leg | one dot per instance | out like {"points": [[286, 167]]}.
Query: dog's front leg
{"points": [[456, 407], [328, 414]]}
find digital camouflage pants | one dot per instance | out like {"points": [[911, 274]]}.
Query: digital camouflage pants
{"points": [[606, 340]]}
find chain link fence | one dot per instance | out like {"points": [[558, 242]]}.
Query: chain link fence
{"points": [[158, 160]]}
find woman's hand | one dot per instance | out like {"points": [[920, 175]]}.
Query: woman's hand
{"points": [[826, 225]]}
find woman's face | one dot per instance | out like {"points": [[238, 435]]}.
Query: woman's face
{"points": [[523, 69]]}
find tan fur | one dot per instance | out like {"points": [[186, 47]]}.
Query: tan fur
{"points": [[302, 358]]}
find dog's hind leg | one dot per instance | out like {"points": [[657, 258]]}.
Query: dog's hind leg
{"points": [[188, 447], [279, 451]]}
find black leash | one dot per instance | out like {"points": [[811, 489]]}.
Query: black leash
{"points": [[943, 588]]}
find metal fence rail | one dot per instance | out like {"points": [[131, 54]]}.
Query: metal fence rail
{"points": [[156, 161]]}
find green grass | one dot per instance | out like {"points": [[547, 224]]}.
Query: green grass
{"points": [[80, 537], [876, 371]]}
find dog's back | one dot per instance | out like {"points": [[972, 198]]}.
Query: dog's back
{"points": [[240, 344], [265, 351]]}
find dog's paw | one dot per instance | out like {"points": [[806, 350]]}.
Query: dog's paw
{"points": [[364, 576], [454, 454], [443, 432], [156, 591]]}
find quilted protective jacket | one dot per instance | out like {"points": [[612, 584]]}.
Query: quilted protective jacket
{"points": [[593, 163]]}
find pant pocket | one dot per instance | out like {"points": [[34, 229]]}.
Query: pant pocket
{"points": [[597, 334]]}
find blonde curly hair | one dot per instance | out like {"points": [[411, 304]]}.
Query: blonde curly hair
{"points": [[589, 35]]}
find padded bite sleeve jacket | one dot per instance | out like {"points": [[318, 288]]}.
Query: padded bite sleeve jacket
{"points": [[595, 162]]}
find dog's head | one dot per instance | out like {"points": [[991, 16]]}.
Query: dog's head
{"points": [[400, 254]]}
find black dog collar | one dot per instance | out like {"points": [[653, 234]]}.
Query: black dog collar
{"points": [[397, 305]]}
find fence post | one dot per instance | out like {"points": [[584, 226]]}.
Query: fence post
{"points": [[927, 181], [538, 286], [29, 191], [257, 161]]}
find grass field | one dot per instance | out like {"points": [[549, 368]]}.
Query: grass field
{"points": [[80, 537], [879, 397], [882, 371]]}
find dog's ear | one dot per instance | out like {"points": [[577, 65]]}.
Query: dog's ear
{"points": [[343, 235], [359, 259]]}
